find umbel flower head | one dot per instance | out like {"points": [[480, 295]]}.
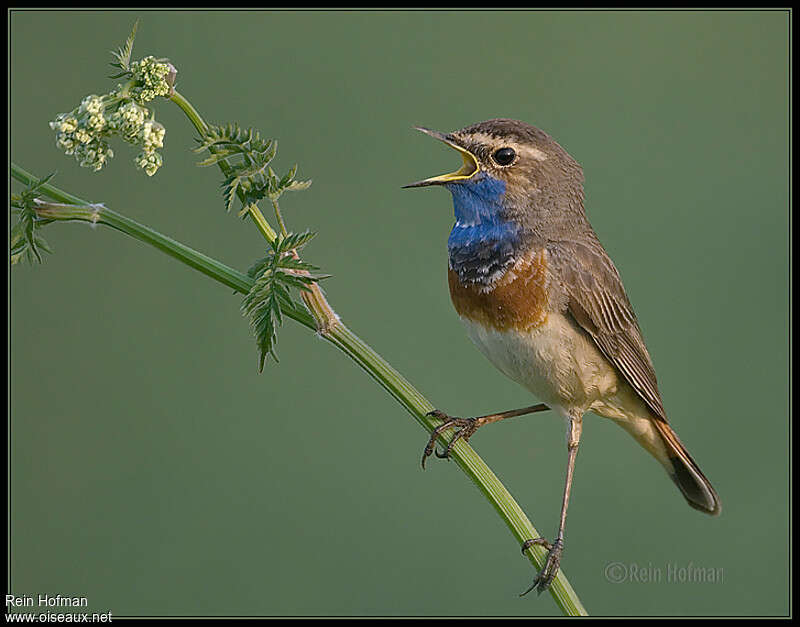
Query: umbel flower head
{"points": [[81, 134], [84, 131]]}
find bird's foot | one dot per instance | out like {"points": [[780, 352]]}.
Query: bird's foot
{"points": [[465, 427], [548, 573]]}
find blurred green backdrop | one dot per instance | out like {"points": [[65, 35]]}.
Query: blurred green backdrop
{"points": [[155, 472]]}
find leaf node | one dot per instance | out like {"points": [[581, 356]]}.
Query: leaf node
{"points": [[123, 54], [26, 242], [277, 276], [248, 173]]}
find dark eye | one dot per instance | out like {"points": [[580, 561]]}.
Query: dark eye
{"points": [[504, 156]]}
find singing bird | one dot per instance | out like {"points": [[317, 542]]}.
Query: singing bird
{"points": [[542, 300]]}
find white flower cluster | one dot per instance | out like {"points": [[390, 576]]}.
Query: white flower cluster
{"points": [[152, 136], [127, 120], [83, 131], [149, 162], [92, 107], [151, 78], [79, 133]]}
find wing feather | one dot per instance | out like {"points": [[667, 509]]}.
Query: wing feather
{"points": [[597, 301]]}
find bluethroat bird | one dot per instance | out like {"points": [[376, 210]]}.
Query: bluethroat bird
{"points": [[541, 299]]}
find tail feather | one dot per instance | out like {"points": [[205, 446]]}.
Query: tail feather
{"points": [[691, 481]]}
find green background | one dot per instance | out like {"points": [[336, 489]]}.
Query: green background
{"points": [[156, 473]]}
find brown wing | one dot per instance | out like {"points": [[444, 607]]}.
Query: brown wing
{"points": [[597, 301]]}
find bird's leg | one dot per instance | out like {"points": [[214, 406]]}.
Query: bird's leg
{"points": [[548, 573], [465, 427]]}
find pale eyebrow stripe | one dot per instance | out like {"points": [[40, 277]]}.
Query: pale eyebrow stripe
{"points": [[535, 153], [494, 142]]}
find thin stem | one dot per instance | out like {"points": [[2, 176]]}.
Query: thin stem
{"points": [[279, 218], [194, 116], [261, 222], [200, 125], [324, 316], [341, 337]]}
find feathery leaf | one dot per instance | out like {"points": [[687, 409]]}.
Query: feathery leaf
{"points": [[247, 156], [123, 54], [25, 241], [276, 276]]}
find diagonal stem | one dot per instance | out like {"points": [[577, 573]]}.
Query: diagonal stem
{"points": [[71, 208], [325, 317]]}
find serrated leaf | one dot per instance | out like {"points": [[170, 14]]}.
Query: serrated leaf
{"points": [[41, 182], [290, 263], [247, 156], [286, 300], [257, 268], [289, 176], [297, 186], [25, 241], [293, 241], [276, 277], [213, 159], [296, 281], [123, 54], [231, 186], [259, 305]]}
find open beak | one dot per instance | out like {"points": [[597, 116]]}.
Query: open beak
{"points": [[469, 169]]}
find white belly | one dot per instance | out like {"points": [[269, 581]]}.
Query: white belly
{"points": [[558, 363]]}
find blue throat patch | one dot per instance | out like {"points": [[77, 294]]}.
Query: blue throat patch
{"points": [[482, 241]]}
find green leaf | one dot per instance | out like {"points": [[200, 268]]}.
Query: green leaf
{"points": [[258, 305], [231, 187], [288, 177], [257, 267], [293, 241], [123, 54], [247, 157], [277, 276], [25, 240], [297, 186], [299, 282], [290, 263]]}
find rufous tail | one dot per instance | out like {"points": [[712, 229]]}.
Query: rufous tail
{"points": [[691, 481]]}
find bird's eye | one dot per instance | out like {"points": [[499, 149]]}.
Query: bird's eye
{"points": [[504, 156]]}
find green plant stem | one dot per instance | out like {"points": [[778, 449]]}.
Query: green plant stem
{"points": [[325, 317], [279, 218], [71, 208], [200, 125]]}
